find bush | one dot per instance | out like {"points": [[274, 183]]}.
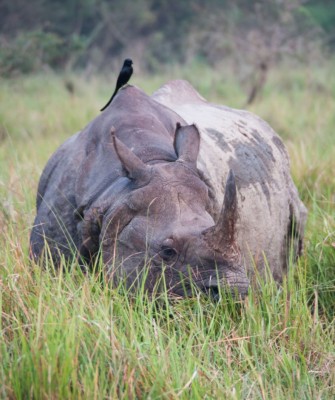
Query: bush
{"points": [[31, 51]]}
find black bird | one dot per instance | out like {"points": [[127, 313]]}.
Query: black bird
{"points": [[124, 76]]}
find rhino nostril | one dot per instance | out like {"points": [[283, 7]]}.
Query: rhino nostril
{"points": [[213, 292]]}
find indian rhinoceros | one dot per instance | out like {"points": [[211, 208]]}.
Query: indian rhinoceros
{"points": [[171, 185]]}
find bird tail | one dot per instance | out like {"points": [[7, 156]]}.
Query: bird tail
{"points": [[110, 100]]}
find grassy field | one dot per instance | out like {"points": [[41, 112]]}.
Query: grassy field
{"points": [[65, 335]]}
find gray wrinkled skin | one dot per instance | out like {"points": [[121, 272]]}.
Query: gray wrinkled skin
{"points": [[271, 216], [205, 208]]}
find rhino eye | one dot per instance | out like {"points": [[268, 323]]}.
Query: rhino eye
{"points": [[168, 253]]}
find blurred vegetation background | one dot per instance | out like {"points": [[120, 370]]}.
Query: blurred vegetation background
{"points": [[95, 34]]}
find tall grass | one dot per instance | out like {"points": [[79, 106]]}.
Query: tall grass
{"points": [[68, 335]]}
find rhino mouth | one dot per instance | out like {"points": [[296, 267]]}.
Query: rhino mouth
{"points": [[210, 282], [185, 281], [215, 289]]}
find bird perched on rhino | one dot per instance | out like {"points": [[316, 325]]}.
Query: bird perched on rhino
{"points": [[124, 76]]}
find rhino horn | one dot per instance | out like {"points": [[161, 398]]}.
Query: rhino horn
{"points": [[135, 168], [187, 143], [223, 234]]}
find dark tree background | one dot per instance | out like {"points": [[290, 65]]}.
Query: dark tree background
{"points": [[67, 34]]}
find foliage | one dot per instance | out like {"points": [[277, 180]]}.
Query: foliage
{"points": [[323, 13], [33, 50], [156, 32], [68, 335]]}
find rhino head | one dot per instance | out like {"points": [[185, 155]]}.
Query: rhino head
{"points": [[162, 223]]}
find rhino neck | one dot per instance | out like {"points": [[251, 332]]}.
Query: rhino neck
{"points": [[155, 154]]}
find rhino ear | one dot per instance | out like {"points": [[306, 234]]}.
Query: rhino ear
{"points": [[187, 143], [90, 228], [135, 168]]}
